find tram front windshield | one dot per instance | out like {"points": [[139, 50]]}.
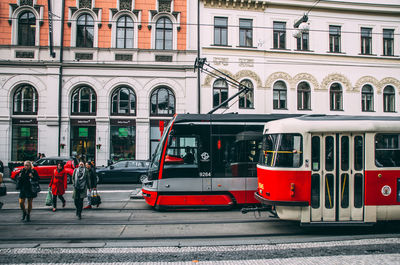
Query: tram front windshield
{"points": [[156, 157], [282, 150]]}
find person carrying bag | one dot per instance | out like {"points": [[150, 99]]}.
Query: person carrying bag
{"points": [[58, 185], [80, 183], [28, 184], [92, 195]]}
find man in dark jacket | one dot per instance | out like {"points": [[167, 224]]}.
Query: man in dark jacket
{"points": [[92, 184]]}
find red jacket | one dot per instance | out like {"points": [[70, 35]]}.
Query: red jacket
{"points": [[58, 182]]}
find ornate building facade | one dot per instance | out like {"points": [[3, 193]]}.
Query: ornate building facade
{"points": [[124, 69]]}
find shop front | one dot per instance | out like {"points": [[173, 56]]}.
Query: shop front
{"points": [[83, 139], [24, 139], [123, 140]]}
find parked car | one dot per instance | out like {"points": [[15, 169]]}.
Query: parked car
{"points": [[129, 171], [45, 167]]}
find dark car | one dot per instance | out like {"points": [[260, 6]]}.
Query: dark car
{"points": [[129, 171], [45, 167]]}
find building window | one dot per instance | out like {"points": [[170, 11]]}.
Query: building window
{"points": [[245, 32], [24, 142], [162, 102], [388, 42], [25, 100], [85, 31], [334, 38], [280, 95], [367, 98], [125, 32], [279, 35], [123, 101], [246, 101], [123, 142], [336, 97], [366, 41], [220, 92], [303, 96], [83, 101], [221, 31], [388, 99], [164, 34], [26, 29], [303, 42]]}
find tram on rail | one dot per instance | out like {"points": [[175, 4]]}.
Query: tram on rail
{"points": [[320, 169], [206, 161]]}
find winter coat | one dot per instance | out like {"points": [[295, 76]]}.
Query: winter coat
{"points": [[58, 182], [92, 180], [80, 182], [24, 185]]}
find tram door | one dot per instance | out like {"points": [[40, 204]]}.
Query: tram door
{"points": [[337, 178]]}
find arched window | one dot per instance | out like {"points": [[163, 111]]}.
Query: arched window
{"points": [[26, 29], [303, 96], [83, 101], [388, 99], [123, 101], [25, 100], [246, 101], [162, 102], [367, 98], [85, 31], [125, 32], [164, 34], [280, 95], [336, 97], [220, 92]]}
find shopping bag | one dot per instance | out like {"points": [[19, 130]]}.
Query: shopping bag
{"points": [[3, 189], [94, 198], [49, 198]]}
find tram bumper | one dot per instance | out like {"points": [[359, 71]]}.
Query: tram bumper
{"points": [[265, 201]]}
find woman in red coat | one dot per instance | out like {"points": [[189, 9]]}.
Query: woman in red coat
{"points": [[58, 184]]}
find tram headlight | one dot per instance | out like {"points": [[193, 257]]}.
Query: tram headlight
{"points": [[292, 189]]}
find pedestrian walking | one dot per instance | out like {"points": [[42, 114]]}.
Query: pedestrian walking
{"points": [[3, 189], [80, 183], [92, 183], [27, 191], [58, 184]]}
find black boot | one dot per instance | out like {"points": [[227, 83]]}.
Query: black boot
{"points": [[23, 216], [28, 217]]}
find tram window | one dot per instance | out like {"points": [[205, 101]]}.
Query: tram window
{"points": [[344, 190], [344, 161], [315, 153], [358, 190], [315, 191], [387, 150], [182, 150], [283, 150], [358, 153], [329, 191], [329, 153]]}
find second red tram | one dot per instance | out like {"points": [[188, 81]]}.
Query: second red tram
{"points": [[206, 160], [331, 169]]}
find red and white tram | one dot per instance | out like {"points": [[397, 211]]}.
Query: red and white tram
{"points": [[331, 169], [206, 160]]}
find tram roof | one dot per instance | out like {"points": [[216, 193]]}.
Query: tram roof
{"points": [[230, 117], [335, 123]]}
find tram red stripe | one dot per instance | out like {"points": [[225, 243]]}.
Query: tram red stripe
{"points": [[160, 172]]}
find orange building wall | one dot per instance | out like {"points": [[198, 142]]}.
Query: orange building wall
{"points": [[5, 28], [144, 41], [104, 33]]}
